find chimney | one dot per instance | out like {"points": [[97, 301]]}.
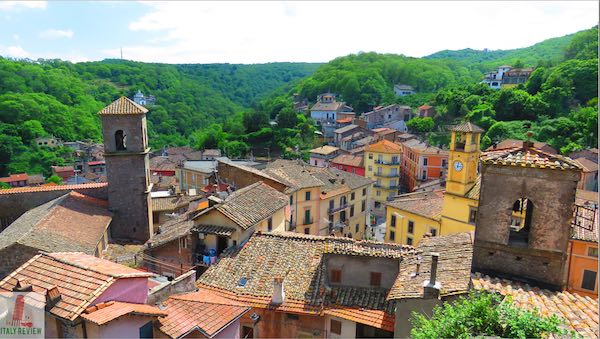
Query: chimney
{"points": [[431, 288], [278, 291], [22, 285], [52, 297]]}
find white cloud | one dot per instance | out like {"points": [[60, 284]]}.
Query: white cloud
{"points": [[56, 34], [8, 5], [14, 52], [250, 32]]}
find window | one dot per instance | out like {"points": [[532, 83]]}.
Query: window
{"points": [[393, 221], [362, 206], [593, 252], [307, 219], [589, 280], [472, 215], [411, 227], [352, 196], [380, 158], [424, 175], [425, 161], [315, 163], [433, 231], [375, 279], [291, 199], [409, 241], [356, 228], [392, 235], [364, 192], [371, 156], [307, 230], [183, 242], [519, 222], [444, 163], [335, 326], [336, 276], [331, 202], [378, 193], [120, 140], [395, 159], [270, 224], [352, 211], [307, 195], [379, 170], [370, 168], [146, 331]]}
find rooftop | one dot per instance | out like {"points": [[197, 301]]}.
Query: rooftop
{"points": [[123, 105], [18, 190], [423, 147], [529, 157], [384, 146], [72, 222], [467, 127], [348, 160], [104, 313], [345, 129], [80, 279], [171, 203], [426, 204], [327, 106], [587, 165], [325, 150], [512, 143], [15, 177]]}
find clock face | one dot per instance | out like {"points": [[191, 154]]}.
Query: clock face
{"points": [[458, 165]]}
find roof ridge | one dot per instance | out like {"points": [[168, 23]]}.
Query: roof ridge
{"points": [[308, 237], [88, 268], [52, 188]]}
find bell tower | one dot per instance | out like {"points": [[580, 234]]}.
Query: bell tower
{"points": [[127, 165], [463, 158]]}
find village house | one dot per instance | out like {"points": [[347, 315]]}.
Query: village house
{"points": [[340, 134], [357, 140], [224, 225], [198, 174], [583, 252], [382, 164], [494, 78], [49, 141], [349, 163], [589, 174], [426, 111], [165, 208], [403, 90], [324, 201], [386, 133], [591, 154], [321, 156], [506, 77], [314, 286], [421, 162], [71, 223], [381, 116], [64, 172], [325, 112], [16, 180], [87, 297]]}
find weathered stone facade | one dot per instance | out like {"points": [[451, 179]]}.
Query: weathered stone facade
{"points": [[241, 176], [542, 255], [128, 176]]}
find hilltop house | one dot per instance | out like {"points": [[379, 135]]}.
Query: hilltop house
{"points": [[402, 90], [325, 112]]}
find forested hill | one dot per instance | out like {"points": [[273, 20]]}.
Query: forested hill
{"points": [[547, 52]]}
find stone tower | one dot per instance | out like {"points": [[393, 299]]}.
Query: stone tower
{"points": [[463, 158], [127, 165], [526, 206]]}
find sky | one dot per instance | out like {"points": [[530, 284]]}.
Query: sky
{"points": [[272, 31]]}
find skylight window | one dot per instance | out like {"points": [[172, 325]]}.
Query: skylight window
{"points": [[242, 282]]}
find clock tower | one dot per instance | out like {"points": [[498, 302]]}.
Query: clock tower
{"points": [[463, 158]]}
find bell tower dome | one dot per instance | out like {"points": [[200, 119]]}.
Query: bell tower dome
{"points": [[127, 165], [463, 158]]}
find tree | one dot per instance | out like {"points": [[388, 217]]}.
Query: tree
{"points": [[421, 125], [55, 179], [484, 314], [287, 118]]}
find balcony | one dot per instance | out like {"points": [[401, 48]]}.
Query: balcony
{"points": [[387, 175], [391, 162], [387, 187], [307, 221], [337, 226], [337, 209]]}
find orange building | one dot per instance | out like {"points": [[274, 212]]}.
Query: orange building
{"points": [[420, 163], [583, 247]]}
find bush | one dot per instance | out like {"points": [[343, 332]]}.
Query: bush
{"points": [[484, 314]]}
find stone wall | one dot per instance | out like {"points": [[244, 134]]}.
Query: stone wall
{"points": [[13, 256], [543, 258], [182, 284], [241, 177]]}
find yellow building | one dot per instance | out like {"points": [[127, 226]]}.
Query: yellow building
{"points": [[382, 164], [442, 212]]}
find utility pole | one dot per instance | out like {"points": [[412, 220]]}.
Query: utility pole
{"points": [[121, 53]]}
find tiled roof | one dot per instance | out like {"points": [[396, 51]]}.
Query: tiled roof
{"points": [[297, 258], [123, 105], [103, 313], [529, 157], [211, 152], [587, 165], [171, 230], [467, 127], [58, 169], [348, 160], [512, 143], [189, 312], [584, 234], [164, 163], [324, 150], [423, 147], [327, 106], [252, 204], [172, 203], [18, 190], [426, 204], [345, 129], [80, 279], [214, 229], [579, 312], [293, 173], [15, 177], [248, 169], [425, 107], [72, 222], [473, 193], [384, 146], [453, 272]]}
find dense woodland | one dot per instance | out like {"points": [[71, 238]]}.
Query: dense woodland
{"points": [[235, 107]]}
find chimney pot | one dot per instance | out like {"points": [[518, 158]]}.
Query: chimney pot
{"points": [[278, 291], [431, 288]]}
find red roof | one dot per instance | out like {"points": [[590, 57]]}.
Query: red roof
{"points": [[424, 107], [80, 279], [202, 311], [94, 163], [211, 188], [343, 120], [53, 188], [103, 313], [15, 177], [58, 169]]}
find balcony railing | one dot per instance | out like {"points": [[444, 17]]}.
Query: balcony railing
{"points": [[391, 162], [391, 187], [337, 209], [387, 175], [307, 221]]}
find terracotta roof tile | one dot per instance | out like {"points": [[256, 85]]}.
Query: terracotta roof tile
{"points": [[529, 157], [80, 279], [473, 193], [426, 204], [579, 312], [512, 143], [324, 150], [172, 203], [348, 160], [18, 190], [587, 165], [123, 105], [103, 313], [72, 222], [171, 230], [384, 146], [214, 229], [467, 127], [15, 177]]}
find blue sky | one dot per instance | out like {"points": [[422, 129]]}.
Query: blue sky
{"points": [[252, 32]]}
